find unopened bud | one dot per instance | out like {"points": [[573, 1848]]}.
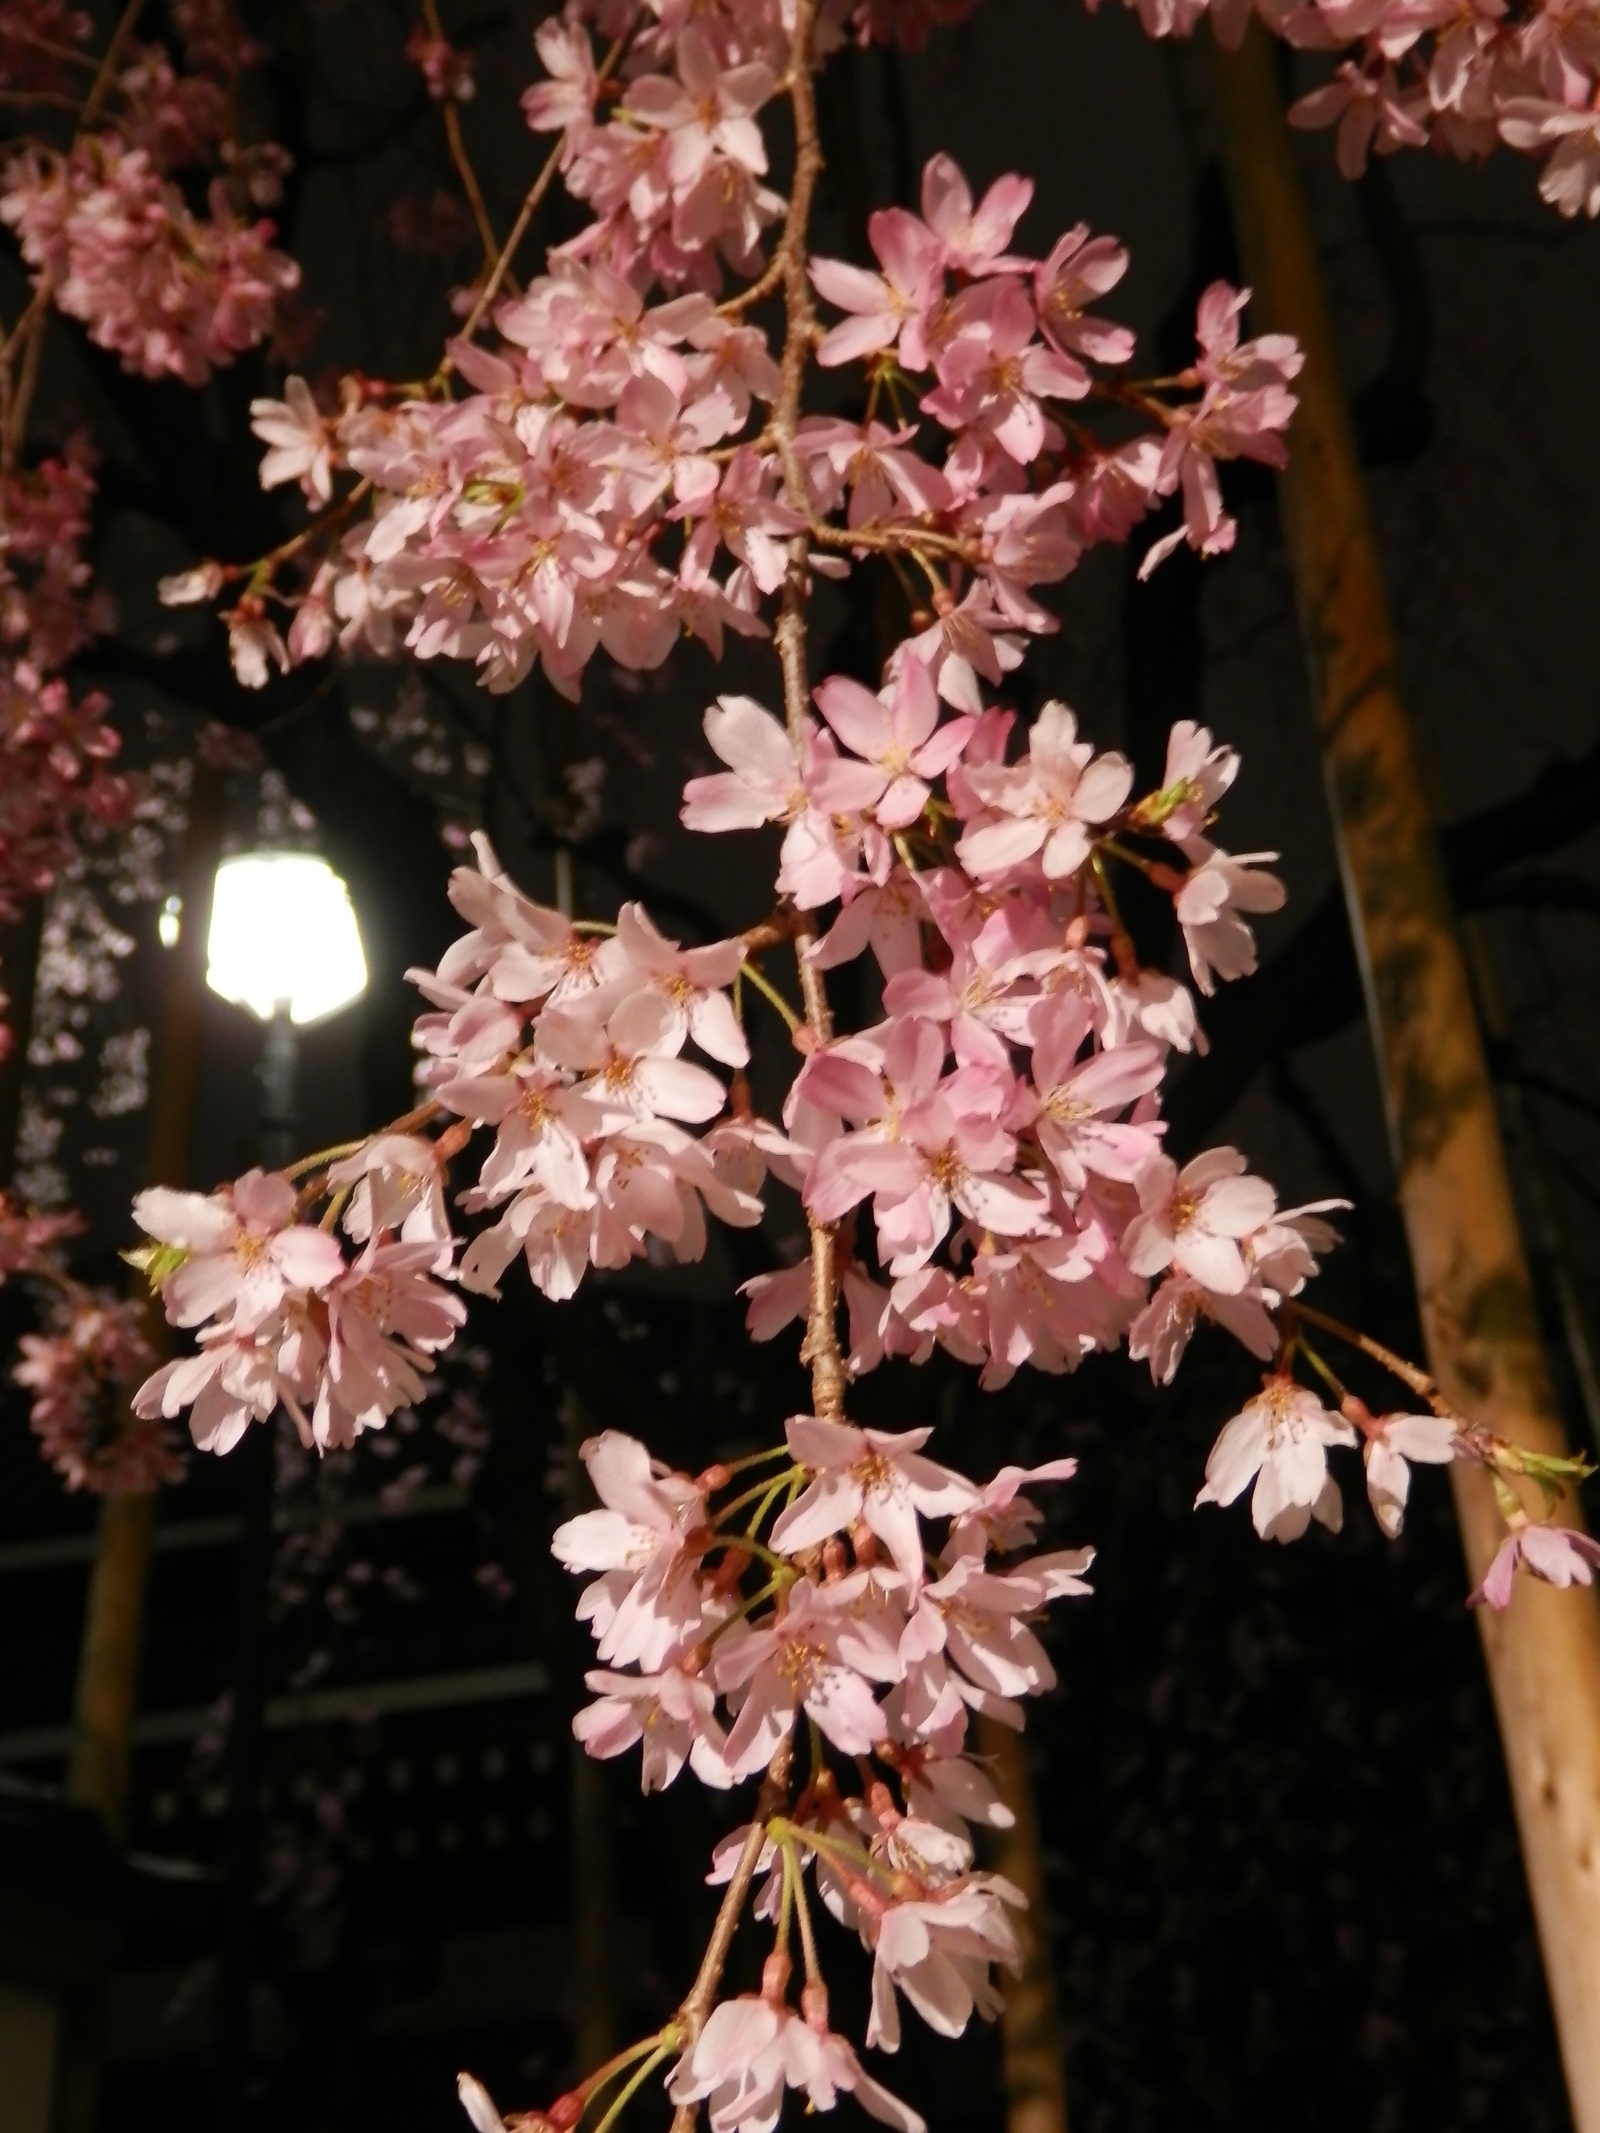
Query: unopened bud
{"points": [[865, 1543], [565, 2112], [881, 1801], [731, 1569]]}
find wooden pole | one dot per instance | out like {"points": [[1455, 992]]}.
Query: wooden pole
{"points": [[108, 1664], [1472, 1279], [1031, 2047], [19, 967]]}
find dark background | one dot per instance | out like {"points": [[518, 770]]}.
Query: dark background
{"points": [[1283, 1876]]}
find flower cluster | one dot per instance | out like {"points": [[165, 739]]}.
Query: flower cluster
{"points": [[80, 1365], [882, 1652], [171, 292], [112, 237], [1459, 78], [37, 40], [612, 479], [49, 604], [1002, 1119], [284, 1316], [55, 776], [79, 1371], [568, 1041]]}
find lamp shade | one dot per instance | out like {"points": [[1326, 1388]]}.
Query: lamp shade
{"points": [[284, 932]]}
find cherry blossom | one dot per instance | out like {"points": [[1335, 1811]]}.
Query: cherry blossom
{"points": [[1556, 1555], [1046, 806], [875, 1476], [646, 1599], [237, 1253], [78, 1373], [670, 1712], [751, 2050], [1280, 1442], [301, 449], [1392, 1443]]}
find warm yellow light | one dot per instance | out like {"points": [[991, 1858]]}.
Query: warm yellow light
{"points": [[283, 932]]}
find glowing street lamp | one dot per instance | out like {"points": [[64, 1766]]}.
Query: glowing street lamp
{"points": [[284, 943], [284, 939]]}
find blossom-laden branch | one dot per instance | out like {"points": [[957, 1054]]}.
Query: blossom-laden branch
{"points": [[104, 222], [632, 459], [981, 1169], [1461, 79]]}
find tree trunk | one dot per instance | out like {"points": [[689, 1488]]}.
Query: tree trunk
{"points": [[1031, 2046], [1472, 1278]]}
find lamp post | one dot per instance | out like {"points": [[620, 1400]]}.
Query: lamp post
{"points": [[283, 943]]}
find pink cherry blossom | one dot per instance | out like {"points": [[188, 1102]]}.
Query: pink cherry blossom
{"points": [[301, 449], [78, 1371], [691, 980], [1556, 1555], [1045, 806], [1392, 1443], [885, 309], [1280, 1442], [670, 1711], [820, 1656], [974, 239], [388, 1316], [878, 1477], [1196, 776], [1218, 886], [1078, 272], [647, 1599], [896, 731], [1570, 180], [1193, 1220], [751, 2050], [940, 1952], [241, 1251]]}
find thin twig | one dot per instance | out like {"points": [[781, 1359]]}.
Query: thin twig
{"points": [[104, 81], [821, 1345], [458, 151], [1414, 1378], [525, 214], [692, 2015]]}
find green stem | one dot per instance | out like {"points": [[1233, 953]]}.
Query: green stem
{"points": [[626, 2094], [808, 1939], [770, 993]]}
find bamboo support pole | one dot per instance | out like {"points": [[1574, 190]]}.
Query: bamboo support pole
{"points": [[1473, 1287], [108, 1661], [1031, 2046], [19, 966]]}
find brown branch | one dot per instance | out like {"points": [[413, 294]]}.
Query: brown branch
{"points": [[692, 2015], [820, 1347], [105, 80], [525, 214], [458, 152], [895, 540], [1410, 1375]]}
